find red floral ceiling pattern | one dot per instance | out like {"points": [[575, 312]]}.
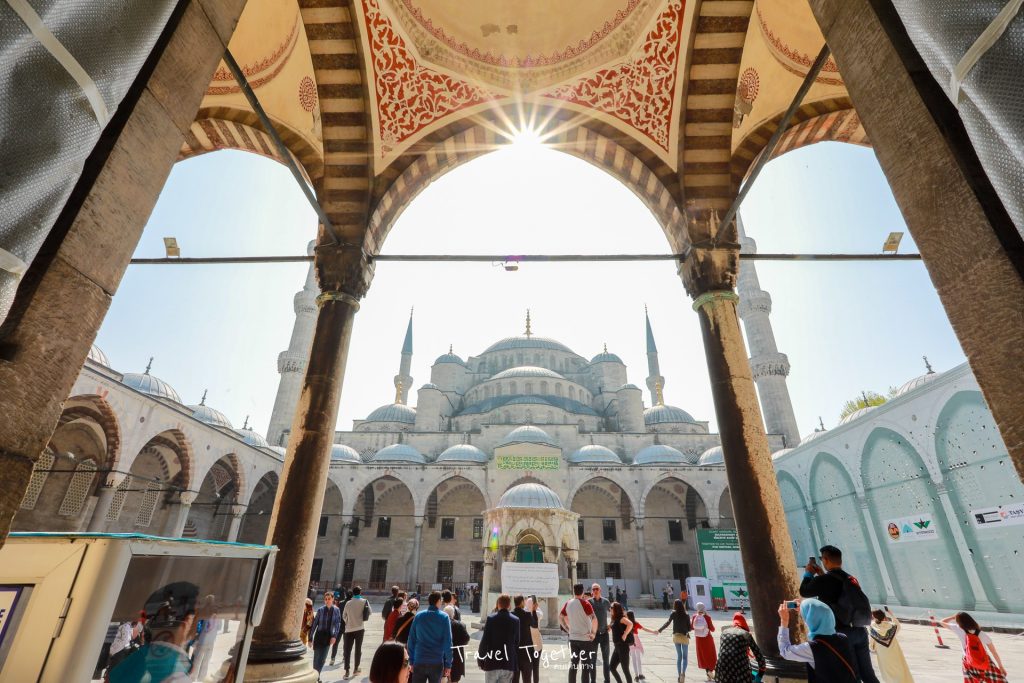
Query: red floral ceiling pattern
{"points": [[639, 91]]}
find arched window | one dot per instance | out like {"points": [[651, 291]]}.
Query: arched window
{"points": [[508, 417], [536, 359], [512, 388], [78, 489], [521, 358], [529, 387], [572, 393], [558, 389], [40, 471], [543, 387], [497, 390]]}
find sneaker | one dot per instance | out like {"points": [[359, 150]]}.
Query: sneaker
{"points": [[346, 675], [332, 662], [357, 671]]}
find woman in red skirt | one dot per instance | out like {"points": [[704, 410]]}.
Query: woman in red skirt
{"points": [[707, 656]]}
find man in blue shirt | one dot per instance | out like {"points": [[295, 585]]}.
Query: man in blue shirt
{"points": [[325, 630], [430, 643]]}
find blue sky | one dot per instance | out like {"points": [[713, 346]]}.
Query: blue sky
{"points": [[845, 326]]}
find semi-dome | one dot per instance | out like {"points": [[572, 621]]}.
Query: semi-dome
{"points": [[462, 452], [594, 453], [916, 382], [712, 456], [394, 412], [252, 438], [631, 387], [530, 495], [662, 454], [342, 453], [528, 434], [449, 358], [398, 452], [210, 416], [151, 385], [606, 357], [527, 371], [96, 355], [860, 412], [430, 385], [663, 414], [531, 342]]}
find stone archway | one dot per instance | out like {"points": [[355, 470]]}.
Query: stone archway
{"points": [[211, 512], [256, 521], [453, 529], [159, 473]]}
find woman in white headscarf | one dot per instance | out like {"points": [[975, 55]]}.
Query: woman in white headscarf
{"points": [[707, 655]]}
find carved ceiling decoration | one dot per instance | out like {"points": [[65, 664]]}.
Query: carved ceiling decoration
{"points": [[260, 71], [795, 43]]}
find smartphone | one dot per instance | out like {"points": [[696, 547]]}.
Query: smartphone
{"points": [[812, 560], [791, 605]]}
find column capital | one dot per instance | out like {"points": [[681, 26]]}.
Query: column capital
{"points": [[714, 298], [418, 521], [238, 510], [713, 256], [187, 497], [344, 273]]}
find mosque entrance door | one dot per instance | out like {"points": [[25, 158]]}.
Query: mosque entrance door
{"points": [[529, 552]]}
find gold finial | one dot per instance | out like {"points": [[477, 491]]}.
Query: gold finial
{"points": [[202, 401], [606, 347], [659, 396], [246, 425], [928, 365], [149, 365], [398, 392], [529, 332], [821, 423], [450, 347]]}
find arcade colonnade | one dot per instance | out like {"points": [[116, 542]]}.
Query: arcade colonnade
{"points": [[937, 181]]}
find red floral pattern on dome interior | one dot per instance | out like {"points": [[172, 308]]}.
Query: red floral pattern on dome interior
{"points": [[307, 94], [749, 85]]}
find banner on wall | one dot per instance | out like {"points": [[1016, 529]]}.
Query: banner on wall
{"points": [[530, 578], [1000, 515], [909, 529], [720, 556]]}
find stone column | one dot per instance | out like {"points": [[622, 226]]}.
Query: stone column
{"points": [[276, 650], [876, 548], [641, 543], [235, 525], [765, 545], [981, 601], [812, 518], [486, 581], [104, 501], [339, 568], [414, 561], [175, 525], [968, 243], [67, 290]]}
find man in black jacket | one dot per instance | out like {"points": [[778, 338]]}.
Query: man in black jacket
{"points": [[389, 604], [527, 621], [498, 653], [827, 585]]}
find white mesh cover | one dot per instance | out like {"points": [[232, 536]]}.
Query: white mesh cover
{"points": [[78, 490], [40, 471], [148, 505], [48, 127], [118, 500]]}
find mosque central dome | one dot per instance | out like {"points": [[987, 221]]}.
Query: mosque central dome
{"points": [[528, 342], [527, 371], [530, 495]]}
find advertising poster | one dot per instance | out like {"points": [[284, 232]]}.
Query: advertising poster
{"points": [[998, 516], [9, 597], [530, 578], [910, 529], [722, 565]]}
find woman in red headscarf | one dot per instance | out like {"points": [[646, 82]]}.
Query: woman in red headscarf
{"points": [[734, 651]]}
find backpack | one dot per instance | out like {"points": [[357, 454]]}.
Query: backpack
{"points": [[853, 607], [700, 626], [975, 655]]}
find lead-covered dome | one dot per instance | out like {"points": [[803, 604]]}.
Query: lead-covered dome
{"points": [[449, 358], [342, 453], [395, 412], [528, 434], [531, 342], [860, 412], [779, 453], [252, 438], [527, 371], [399, 452], [916, 383], [606, 357], [662, 414], [210, 416], [462, 452], [97, 356], [662, 454], [813, 435], [530, 496], [594, 453], [150, 385], [712, 456]]}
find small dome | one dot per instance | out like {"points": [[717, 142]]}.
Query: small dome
{"points": [[528, 434], [712, 456], [462, 452], [778, 454], [280, 450], [662, 454], [342, 453], [398, 452], [595, 453], [530, 496], [449, 358], [210, 416], [916, 382], [430, 385], [666, 414], [860, 412], [153, 386], [606, 357], [97, 356], [252, 438], [531, 342], [813, 435], [527, 371], [395, 412], [631, 387]]}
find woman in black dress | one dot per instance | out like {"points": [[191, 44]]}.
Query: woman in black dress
{"points": [[734, 649], [622, 638]]}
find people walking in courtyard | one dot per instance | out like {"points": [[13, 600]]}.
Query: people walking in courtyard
{"points": [[829, 583], [666, 593], [981, 662], [524, 668], [703, 627], [404, 620], [891, 663], [636, 650], [735, 646], [537, 618], [392, 618], [326, 630], [307, 622], [450, 607], [681, 628], [623, 598], [357, 611], [390, 604], [622, 639], [460, 639], [601, 608], [390, 664], [827, 654], [430, 643], [578, 620], [341, 598], [498, 653]]}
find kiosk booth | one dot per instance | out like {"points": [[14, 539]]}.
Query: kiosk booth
{"points": [[77, 608]]}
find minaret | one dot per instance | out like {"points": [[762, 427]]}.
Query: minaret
{"points": [[291, 364], [770, 367], [403, 380], [655, 382]]}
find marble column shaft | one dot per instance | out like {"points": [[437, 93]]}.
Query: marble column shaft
{"points": [[876, 548], [641, 542], [414, 561], [104, 501], [339, 568], [981, 601], [235, 524]]}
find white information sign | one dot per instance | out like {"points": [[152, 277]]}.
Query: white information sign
{"points": [[1000, 515], [530, 578], [908, 529]]}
